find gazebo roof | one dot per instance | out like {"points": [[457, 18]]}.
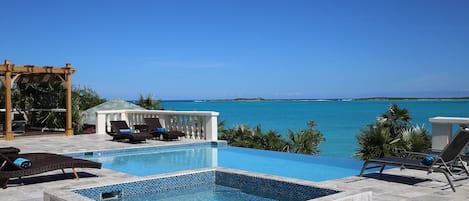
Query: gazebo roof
{"points": [[89, 115]]}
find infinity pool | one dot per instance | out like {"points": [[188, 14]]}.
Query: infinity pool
{"points": [[158, 160]]}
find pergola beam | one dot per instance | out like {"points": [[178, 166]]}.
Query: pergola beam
{"points": [[35, 69], [8, 70]]}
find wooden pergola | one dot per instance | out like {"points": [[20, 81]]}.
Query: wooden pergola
{"points": [[9, 73]]}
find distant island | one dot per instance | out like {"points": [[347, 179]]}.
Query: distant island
{"points": [[410, 98], [237, 99], [331, 99], [249, 99]]}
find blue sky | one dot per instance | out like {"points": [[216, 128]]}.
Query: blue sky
{"points": [[206, 49]]}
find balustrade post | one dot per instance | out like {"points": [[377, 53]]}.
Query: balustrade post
{"points": [[211, 127], [442, 130], [100, 123], [123, 116]]}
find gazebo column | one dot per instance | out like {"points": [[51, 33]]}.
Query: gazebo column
{"points": [[7, 84], [68, 103]]}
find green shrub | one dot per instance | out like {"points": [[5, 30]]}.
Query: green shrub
{"points": [[391, 135], [304, 141]]}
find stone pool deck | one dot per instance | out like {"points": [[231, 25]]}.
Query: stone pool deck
{"points": [[394, 185]]}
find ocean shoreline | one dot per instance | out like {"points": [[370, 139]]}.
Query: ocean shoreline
{"points": [[315, 99], [339, 121]]}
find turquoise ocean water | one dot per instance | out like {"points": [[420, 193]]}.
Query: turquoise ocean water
{"points": [[339, 121]]}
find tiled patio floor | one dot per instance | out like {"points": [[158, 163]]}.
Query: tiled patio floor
{"points": [[395, 185]]}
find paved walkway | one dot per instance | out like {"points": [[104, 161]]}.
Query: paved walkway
{"points": [[394, 185]]}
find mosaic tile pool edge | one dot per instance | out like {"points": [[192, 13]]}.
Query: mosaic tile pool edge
{"points": [[270, 188], [192, 179], [253, 185], [159, 185]]}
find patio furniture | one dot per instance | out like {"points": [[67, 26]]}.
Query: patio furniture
{"points": [[440, 163], [121, 131], [19, 123], [40, 163], [154, 127], [458, 166], [10, 152]]}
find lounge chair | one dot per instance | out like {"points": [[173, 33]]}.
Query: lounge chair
{"points": [[154, 127], [441, 162], [458, 166], [40, 163], [117, 133]]}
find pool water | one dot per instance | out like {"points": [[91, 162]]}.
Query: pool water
{"points": [[209, 184], [207, 193], [307, 167], [158, 161]]}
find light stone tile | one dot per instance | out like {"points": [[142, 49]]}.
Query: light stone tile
{"points": [[382, 190]]}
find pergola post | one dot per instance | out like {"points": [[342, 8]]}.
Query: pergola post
{"points": [[8, 132], [68, 103]]}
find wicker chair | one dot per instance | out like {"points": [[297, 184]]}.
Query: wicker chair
{"points": [[117, 126], [154, 123], [41, 162]]}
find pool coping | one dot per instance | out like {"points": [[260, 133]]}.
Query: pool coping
{"points": [[69, 195], [151, 148]]}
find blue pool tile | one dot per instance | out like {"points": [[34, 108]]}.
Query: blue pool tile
{"points": [[256, 186]]}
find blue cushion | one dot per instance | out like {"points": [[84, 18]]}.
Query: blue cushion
{"points": [[23, 162], [159, 130], [428, 160], [126, 131]]}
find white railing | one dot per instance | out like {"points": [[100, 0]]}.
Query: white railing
{"points": [[195, 124]]}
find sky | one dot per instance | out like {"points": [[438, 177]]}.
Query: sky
{"points": [[221, 49]]}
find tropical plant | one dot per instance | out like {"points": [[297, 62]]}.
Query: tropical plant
{"points": [[395, 119], [376, 142], [149, 103], [85, 97], [416, 138], [77, 120], [273, 141], [2, 95], [221, 126], [305, 141], [244, 136], [51, 95], [391, 135]]}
